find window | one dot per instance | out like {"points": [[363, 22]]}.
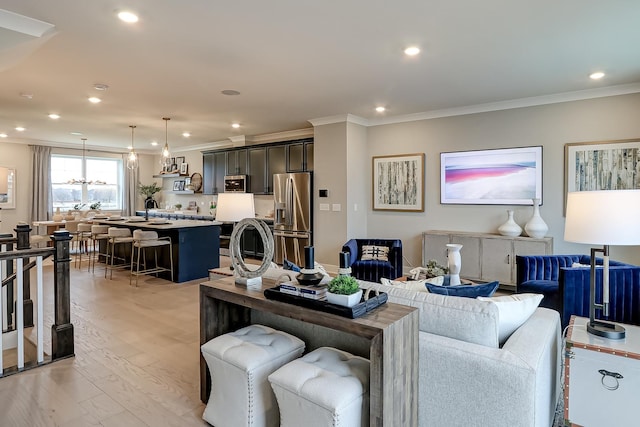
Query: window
{"points": [[103, 182]]}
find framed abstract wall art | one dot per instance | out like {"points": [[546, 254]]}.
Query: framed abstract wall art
{"points": [[509, 176], [398, 183]]}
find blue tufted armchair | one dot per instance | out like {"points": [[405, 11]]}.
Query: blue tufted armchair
{"points": [[374, 270], [566, 288]]}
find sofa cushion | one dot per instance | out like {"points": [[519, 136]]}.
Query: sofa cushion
{"points": [[465, 319], [513, 311], [467, 291]]}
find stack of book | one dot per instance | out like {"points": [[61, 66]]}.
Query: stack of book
{"points": [[311, 292]]}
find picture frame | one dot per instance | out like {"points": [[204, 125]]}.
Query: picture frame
{"points": [[397, 183], [602, 165], [503, 176], [178, 185], [7, 187], [179, 160], [184, 168]]}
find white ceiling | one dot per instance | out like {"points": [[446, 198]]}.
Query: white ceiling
{"points": [[296, 60]]}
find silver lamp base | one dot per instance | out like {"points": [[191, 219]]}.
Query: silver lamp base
{"points": [[606, 330]]}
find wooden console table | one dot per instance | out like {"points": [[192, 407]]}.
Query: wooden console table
{"points": [[392, 332]]}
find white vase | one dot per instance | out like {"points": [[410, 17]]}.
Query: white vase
{"points": [[454, 263], [510, 228], [536, 227], [345, 300]]}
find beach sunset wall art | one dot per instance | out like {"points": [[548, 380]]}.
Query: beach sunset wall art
{"points": [[511, 176]]}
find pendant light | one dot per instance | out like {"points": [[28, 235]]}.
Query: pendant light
{"points": [[132, 159], [165, 159]]}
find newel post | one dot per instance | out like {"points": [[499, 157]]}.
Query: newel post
{"points": [[62, 329], [22, 234]]}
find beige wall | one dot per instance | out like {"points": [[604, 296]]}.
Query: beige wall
{"points": [[17, 156], [551, 126]]}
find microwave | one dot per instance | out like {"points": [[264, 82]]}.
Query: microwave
{"points": [[236, 183]]}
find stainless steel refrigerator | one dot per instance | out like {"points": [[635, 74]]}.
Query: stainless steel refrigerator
{"points": [[293, 221]]}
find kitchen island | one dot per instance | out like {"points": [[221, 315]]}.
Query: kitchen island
{"points": [[195, 245]]}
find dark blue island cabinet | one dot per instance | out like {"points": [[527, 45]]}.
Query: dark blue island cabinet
{"points": [[195, 245]]}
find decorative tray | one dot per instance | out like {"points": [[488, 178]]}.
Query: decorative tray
{"points": [[360, 309]]}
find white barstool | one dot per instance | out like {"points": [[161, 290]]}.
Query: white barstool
{"points": [[143, 240], [327, 387], [82, 237], [99, 236], [239, 363], [116, 236]]}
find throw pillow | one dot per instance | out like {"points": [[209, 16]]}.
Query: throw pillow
{"points": [[411, 285], [513, 311], [467, 291], [371, 252]]}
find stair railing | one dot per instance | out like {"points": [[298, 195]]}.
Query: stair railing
{"points": [[25, 258]]}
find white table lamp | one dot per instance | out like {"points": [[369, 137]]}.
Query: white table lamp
{"points": [[609, 217], [240, 209], [233, 207]]}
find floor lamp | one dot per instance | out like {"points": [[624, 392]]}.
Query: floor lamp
{"points": [[604, 218]]}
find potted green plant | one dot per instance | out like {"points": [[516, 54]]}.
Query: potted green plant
{"points": [[148, 191], [344, 290], [95, 206]]}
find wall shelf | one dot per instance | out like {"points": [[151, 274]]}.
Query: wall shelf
{"points": [[169, 175], [182, 192]]}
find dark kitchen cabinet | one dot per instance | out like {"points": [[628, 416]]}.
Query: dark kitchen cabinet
{"points": [[300, 156], [259, 162], [237, 162], [214, 170]]}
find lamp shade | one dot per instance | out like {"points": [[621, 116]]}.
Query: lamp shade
{"points": [[608, 217], [234, 207]]}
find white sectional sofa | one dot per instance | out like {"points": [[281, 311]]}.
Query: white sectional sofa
{"points": [[467, 377]]}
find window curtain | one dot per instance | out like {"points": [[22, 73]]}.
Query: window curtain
{"points": [[130, 188], [41, 203]]}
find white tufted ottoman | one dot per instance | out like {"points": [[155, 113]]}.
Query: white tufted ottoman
{"points": [[327, 387], [239, 363]]}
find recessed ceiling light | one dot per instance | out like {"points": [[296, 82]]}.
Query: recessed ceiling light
{"points": [[597, 75], [3, 135], [76, 133], [54, 116], [154, 143], [129, 147], [412, 51], [94, 100], [20, 129], [380, 109], [100, 86], [128, 17], [235, 125], [186, 134], [230, 92]]}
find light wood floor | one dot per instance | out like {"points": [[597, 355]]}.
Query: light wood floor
{"points": [[136, 358]]}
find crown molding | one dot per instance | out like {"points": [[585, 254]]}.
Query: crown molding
{"points": [[281, 136], [579, 95], [341, 118]]}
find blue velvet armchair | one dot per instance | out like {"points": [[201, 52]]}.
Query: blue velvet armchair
{"points": [[374, 270], [566, 288]]}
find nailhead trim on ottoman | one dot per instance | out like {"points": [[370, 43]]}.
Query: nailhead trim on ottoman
{"points": [[327, 387], [239, 363]]}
